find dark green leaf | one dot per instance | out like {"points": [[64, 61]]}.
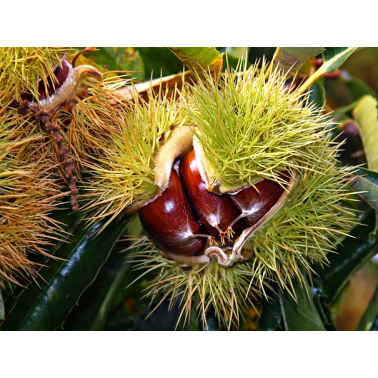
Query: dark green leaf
{"points": [[334, 57], [375, 325], [103, 311], [270, 317], [371, 313], [46, 308], [163, 318], [317, 94], [358, 88], [302, 314], [159, 62], [350, 257], [324, 310], [292, 58], [366, 181], [2, 308]]}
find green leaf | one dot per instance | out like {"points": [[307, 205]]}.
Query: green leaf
{"points": [[365, 115], [334, 57], [237, 52], [270, 317], [2, 308], [291, 59], [358, 88], [344, 111], [367, 321], [103, 311], [317, 94], [324, 310], [301, 315], [159, 62], [348, 259], [200, 59], [46, 308], [115, 59], [366, 181]]}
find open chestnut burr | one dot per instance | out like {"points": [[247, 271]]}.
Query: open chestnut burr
{"points": [[188, 220]]}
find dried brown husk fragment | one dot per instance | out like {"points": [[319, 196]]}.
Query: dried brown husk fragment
{"points": [[29, 192]]}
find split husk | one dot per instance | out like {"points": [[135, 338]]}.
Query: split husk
{"points": [[247, 126]]}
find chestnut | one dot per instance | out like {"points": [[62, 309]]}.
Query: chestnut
{"points": [[215, 212], [255, 202], [170, 222]]}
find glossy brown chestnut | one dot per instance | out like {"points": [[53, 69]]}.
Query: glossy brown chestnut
{"points": [[214, 212], [170, 221], [254, 203]]}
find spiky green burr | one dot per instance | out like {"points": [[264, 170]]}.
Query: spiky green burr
{"points": [[250, 126], [124, 175]]}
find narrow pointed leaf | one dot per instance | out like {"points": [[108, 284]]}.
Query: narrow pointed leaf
{"points": [[200, 59], [301, 315], [323, 310], [46, 308], [367, 321], [334, 57], [291, 59], [366, 117], [366, 182], [317, 94], [103, 311], [349, 258]]}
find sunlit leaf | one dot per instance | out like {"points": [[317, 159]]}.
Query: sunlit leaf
{"points": [[365, 115], [200, 59], [334, 57], [237, 52], [115, 59], [290, 59]]}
